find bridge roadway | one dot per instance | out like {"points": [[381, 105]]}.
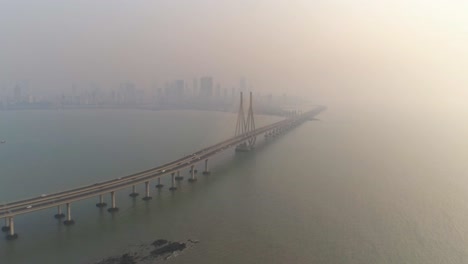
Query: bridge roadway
{"points": [[12, 209]]}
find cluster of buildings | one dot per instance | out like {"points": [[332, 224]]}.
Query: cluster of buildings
{"points": [[203, 90], [19, 97], [199, 93]]}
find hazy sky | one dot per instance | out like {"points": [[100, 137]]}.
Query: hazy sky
{"points": [[357, 50]]}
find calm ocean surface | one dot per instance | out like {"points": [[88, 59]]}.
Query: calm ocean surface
{"points": [[359, 186]]}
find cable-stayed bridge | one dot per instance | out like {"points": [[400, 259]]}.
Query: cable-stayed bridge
{"points": [[243, 140]]}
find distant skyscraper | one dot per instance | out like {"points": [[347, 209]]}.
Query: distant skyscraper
{"points": [[206, 86], [175, 90], [17, 93], [128, 92], [195, 87], [218, 91], [160, 93], [179, 87]]}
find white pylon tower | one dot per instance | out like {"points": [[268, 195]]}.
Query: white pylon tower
{"points": [[250, 124], [240, 126]]}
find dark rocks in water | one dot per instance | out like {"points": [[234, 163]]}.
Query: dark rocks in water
{"points": [[150, 253], [169, 248], [124, 259], [159, 242]]}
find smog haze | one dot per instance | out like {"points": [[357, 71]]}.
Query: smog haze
{"points": [[354, 51]]}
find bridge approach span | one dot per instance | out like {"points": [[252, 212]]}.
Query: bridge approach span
{"points": [[9, 210]]}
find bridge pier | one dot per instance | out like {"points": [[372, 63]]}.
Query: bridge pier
{"points": [[12, 235], [134, 193], [243, 147], [101, 203], [113, 208], [173, 188], [147, 192], [178, 177], [59, 214], [206, 171], [69, 220], [6, 227], [192, 177], [159, 185]]}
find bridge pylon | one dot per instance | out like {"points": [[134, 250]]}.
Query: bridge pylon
{"points": [[240, 125], [250, 124], [245, 126]]}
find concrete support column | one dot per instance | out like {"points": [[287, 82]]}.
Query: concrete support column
{"points": [[159, 185], [113, 199], [134, 193], [12, 226], [147, 192], [113, 208], [101, 203], [178, 177], [173, 187], [6, 227], [206, 171], [69, 220], [59, 214], [192, 172], [11, 235]]}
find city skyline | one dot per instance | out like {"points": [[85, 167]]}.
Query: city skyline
{"points": [[394, 52], [199, 93]]}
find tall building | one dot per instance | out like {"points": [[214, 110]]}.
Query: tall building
{"points": [[159, 93], [225, 93], [179, 88], [206, 87], [128, 92], [218, 91], [17, 93], [175, 90], [195, 87]]}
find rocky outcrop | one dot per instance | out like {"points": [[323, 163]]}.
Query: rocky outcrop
{"points": [[168, 248], [155, 252]]}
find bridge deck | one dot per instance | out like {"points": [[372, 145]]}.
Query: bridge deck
{"points": [[52, 200]]}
